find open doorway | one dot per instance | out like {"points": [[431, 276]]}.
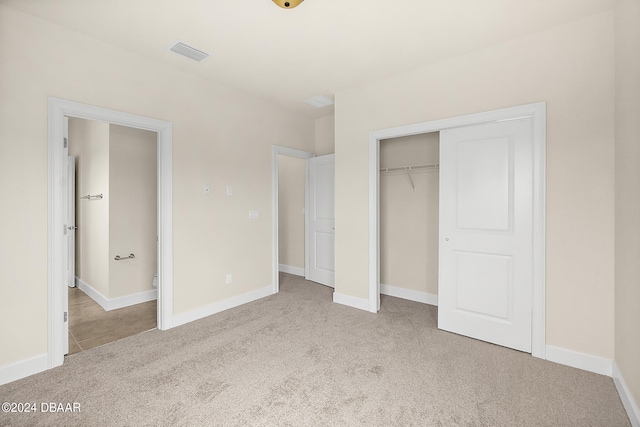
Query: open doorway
{"points": [[303, 216], [113, 255], [293, 162], [291, 215], [58, 236]]}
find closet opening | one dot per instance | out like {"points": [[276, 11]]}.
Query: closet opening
{"points": [[491, 224], [409, 184]]}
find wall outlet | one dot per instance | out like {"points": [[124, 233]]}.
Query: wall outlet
{"points": [[229, 279], [207, 189], [253, 214], [229, 190]]}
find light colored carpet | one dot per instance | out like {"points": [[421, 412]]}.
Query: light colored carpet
{"points": [[297, 359]]}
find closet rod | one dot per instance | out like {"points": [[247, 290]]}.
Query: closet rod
{"points": [[92, 196], [411, 168]]}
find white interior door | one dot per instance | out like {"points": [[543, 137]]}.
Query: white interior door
{"points": [[486, 232], [321, 220], [68, 194], [71, 221]]}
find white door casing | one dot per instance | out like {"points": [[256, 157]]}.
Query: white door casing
{"points": [[485, 248], [57, 208], [321, 220]]}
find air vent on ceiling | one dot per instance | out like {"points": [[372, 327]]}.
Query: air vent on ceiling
{"points": [[319, 101], [188, 51]]}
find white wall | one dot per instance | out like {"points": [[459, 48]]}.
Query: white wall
{"points": [[409, 216], [571, 68], [291, 179], [221, 136], [132, 210], [627, 291], [325, 135], [89, 143]]}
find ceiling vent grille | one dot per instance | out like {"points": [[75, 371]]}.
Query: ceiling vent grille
{"points": [[188, 51]]}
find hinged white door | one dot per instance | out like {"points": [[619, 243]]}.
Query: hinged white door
{"points": [[321, 220], [71, 221], [486, 232], [68, 194]]}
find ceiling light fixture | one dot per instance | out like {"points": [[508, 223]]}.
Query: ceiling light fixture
{"points": [[290, 4]]}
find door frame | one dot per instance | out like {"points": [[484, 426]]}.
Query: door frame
{"points": [[57, 172], [277, 150], [537, 112]]}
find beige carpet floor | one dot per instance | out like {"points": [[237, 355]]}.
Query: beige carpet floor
{"points": [[297, 359]]}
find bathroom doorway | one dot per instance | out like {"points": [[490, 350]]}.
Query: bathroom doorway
{"points": [[113, 255]]}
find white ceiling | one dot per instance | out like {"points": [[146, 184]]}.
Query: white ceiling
{"points": [[319, 48]]}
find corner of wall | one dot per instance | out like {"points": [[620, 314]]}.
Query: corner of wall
{"points": [[325, 135]]}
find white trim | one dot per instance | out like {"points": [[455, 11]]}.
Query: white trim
{"points": [[298, 271], [409, 294], [537, 112], [23, 368], [374, 223], [225, 304], [58, 109], [630, 405], [115, 303], [133, 299], [277, 150], [355, 302], [586, 362]]}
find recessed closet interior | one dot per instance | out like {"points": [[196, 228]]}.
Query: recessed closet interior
{"points": [[409, 181]]}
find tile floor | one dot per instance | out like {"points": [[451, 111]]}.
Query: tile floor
{"points": [[90, 326]]}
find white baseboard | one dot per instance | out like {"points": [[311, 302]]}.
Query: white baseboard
{"points": [[93, 294], [291, 270], [217, 307], [630, 405], [409, 294], [587, 362], [355, 302], [119, 302], [23, 368], [133, 299]]}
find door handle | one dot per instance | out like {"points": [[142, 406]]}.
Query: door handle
{"points": [[72, 227]]}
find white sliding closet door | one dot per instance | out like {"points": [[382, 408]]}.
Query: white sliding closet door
{"points": [[486, 232]]}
